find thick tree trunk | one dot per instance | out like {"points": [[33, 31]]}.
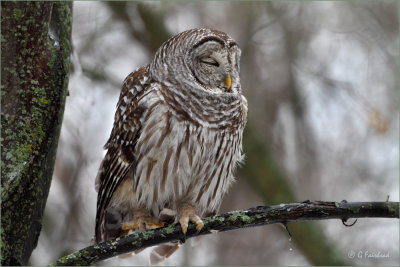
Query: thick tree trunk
{"points": [[35, 65]]}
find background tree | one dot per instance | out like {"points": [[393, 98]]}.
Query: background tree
{"points": [[35, 44]]}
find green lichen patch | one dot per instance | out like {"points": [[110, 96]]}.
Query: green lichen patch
{"points": [[169, 230], [148, 234], [18, 13], [243, 217], [219, 219], [258, 216]]}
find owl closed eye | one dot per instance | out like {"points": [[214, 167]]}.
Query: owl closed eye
{"points": [[216, 66]]}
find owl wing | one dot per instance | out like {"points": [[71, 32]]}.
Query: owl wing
{"points": [[120, 146]]}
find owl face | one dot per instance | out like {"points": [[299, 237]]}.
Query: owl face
{"points": [[204, 61], [215, 66]]}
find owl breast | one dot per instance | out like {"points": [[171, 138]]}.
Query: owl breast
{"points": [[182, 155]]}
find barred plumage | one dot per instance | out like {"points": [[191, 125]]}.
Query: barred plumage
{"points": [[177, 136]]}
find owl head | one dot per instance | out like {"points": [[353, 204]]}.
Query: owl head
{"points": [[199, 59]]}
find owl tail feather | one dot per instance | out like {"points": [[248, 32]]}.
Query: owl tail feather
{"points": [[161, 252]]}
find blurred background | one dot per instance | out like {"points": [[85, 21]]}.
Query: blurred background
{"points": [[322, 82]]}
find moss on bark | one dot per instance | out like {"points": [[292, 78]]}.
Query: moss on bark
{"points": [[35, 66]]}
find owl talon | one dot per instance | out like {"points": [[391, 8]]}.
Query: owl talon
{"points": [[142, 220], [199, 225], [155, 225], [187, 214], [129, 225], [184, 224]]}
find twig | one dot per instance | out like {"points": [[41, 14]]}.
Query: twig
{"points": [[262, 215]]}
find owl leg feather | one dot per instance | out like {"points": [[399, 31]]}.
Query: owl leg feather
{"points": [[142, 220], [187, 213]]}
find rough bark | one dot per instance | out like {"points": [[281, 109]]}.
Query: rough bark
{"points": [[35, 65], [263, 215]]}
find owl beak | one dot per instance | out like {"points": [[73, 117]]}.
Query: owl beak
{"points": [[228, 82]]}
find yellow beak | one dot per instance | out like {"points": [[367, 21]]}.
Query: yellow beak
{"points": [[228, 82]]}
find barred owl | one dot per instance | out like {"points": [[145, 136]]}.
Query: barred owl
{"points": [[176, 139]]}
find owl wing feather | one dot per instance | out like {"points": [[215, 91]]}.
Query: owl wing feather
{"points": [[120, 146]]}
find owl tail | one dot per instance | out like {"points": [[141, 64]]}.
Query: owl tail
{"points": [[161, 252]]}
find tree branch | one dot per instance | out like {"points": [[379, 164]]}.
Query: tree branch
{"points": [[262, 215]]}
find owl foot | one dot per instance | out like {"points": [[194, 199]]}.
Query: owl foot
{"points": [[187, 213], [142, 220]]}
